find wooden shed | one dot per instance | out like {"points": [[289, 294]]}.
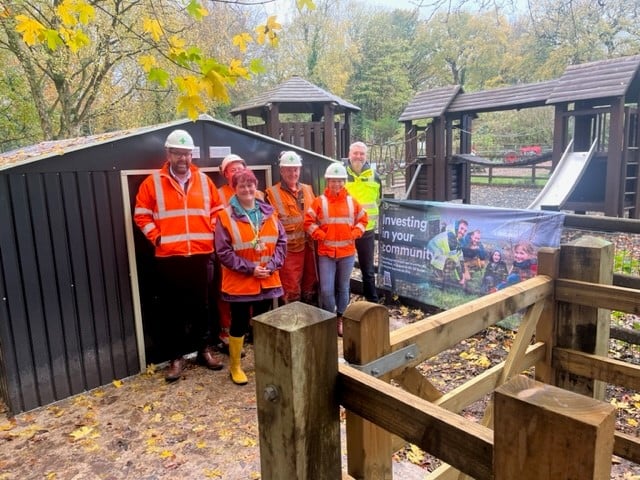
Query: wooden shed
{"points": [[326, 130], [76, 275], [596, 104]]}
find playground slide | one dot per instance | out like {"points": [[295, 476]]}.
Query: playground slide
{"points": [[564, 178]]}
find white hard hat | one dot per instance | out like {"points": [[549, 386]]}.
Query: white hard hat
{"points": [[179, 139], [290, 159], [229, 159], [336, 170]]}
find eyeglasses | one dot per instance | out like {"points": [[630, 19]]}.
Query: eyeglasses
{"points": [[179, 153]]}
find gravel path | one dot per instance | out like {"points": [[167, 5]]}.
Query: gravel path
{"points": [[506, 197]]}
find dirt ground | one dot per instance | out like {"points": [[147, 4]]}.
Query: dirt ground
{"points": [[204, 426]]}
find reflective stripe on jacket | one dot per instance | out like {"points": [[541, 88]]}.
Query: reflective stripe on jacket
{"points": [[335, 221], [184, 221], [242, 239], [290, 213], [366, 189]]}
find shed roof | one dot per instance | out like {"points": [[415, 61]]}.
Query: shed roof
{"points": [[506, 98], [430, 104], [616, 77], [295, 95], [38, 151]]}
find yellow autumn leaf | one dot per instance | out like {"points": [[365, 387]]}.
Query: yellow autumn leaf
{"points": [[482, 361], [84, 432], [305, 3], [99, 393], [6, 426], [177, 417], [50, 475], [152, 27], [248, 442], [118, 383], [214, 86], [632, 421], [157, 418], [166, 454], [415, 455], [198, 428], [242, 40], [190, 105], [146, 408], [212, 473], [176, 45], [32, 31], [151, 368], [66, 12], [201, 444], [56, 411]]}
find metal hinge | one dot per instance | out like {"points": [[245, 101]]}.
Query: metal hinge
{"points": [[389, 362]]}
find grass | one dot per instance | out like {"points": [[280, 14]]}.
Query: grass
{"points": [[509, 181]]}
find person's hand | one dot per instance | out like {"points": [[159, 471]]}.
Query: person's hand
{"points": [[261, 272]]}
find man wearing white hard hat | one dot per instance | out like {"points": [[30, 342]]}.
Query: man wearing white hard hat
{"points": [[291, 199], [176, 208]]}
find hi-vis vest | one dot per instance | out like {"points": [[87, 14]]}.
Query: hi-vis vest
{"points": [[183, 220], [289, 213], [339, 218], [366, 190], [242, 241]]}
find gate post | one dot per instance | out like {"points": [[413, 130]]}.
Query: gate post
{"points": [[366, 338], [542, 432], [548, 264], [296, 362], [582, 328]]}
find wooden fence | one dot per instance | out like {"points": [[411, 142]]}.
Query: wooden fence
{"points": [[543, 427]]}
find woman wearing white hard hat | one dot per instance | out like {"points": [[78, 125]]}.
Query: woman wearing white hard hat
{"points": [[335, 220]]}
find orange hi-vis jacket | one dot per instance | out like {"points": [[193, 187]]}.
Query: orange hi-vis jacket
{"points": [[226, 192], [290, 213], [184, 221], [243, 242], [335, 221]]}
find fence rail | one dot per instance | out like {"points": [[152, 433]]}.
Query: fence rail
{"points": [[565, 313]]}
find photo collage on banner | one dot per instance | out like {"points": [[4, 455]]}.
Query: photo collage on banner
{"points": [[445, 254]]}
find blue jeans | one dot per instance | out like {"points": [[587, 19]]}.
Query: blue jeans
{"points": [[335, 278]]}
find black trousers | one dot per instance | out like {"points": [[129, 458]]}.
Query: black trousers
{"points": [[183, 283], [365, 246]]}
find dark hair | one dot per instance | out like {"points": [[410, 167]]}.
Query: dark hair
{"points": [[242, 176]]}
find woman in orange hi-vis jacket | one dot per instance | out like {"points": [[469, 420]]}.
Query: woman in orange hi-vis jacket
{"points": [[335, 220], [251, 245]]}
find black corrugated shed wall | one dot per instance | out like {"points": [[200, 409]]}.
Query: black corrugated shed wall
{"points": [[67, 320]]}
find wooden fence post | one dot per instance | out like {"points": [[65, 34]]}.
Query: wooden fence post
{"points": [[366, 338], [543, 432], [296, 361], [582, 328], [548, 264]]}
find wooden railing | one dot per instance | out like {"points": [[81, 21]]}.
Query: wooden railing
{"points": [[300, 385]]}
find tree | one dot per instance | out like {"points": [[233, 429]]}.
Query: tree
{"points": [[71, 50], [381, 84]]}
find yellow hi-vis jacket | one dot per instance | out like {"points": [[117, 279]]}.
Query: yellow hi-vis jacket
{"points": [[367, 190]]}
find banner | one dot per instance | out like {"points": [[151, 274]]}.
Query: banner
{"points": [[445, 254]]}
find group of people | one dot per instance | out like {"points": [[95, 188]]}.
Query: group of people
{"points": [[234, 251], [455, 255]]}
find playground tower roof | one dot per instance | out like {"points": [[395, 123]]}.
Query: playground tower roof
{"points": [[601, 79]]}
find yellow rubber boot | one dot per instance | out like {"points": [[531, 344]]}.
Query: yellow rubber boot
{"points": [[235, 351]]}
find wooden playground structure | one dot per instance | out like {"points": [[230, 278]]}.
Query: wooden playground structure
{"points": [[595, 104], [549, 426]]}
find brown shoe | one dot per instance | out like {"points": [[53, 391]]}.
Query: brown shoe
{"points": [[174, 372], [339, 323], [210, 359]]}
